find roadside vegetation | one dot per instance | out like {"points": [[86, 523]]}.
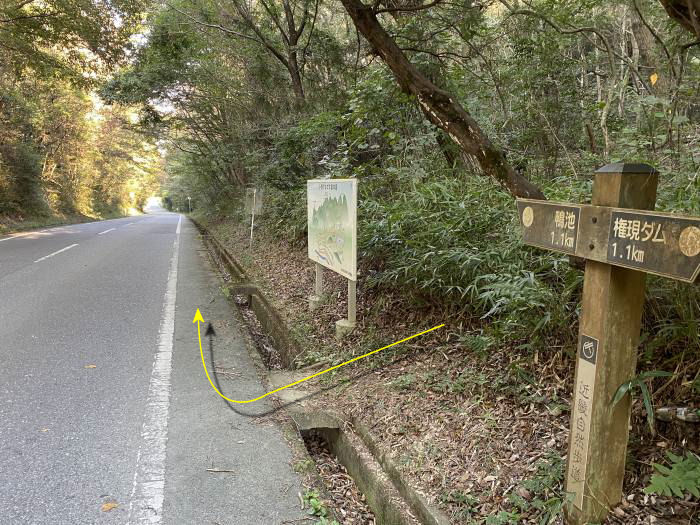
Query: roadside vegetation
{"points": [[64, 155]]}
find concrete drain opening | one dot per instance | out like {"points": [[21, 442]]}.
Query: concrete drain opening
{"points": [[360, 492], [347, 501], [264, 344]]}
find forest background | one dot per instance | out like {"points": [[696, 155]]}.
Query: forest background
{"points": [[536, 96], [64, 154]]}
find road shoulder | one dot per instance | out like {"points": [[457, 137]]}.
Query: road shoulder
{"points": [[224, 464]]}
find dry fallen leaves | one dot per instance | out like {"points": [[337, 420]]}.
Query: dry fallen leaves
{"points": [[90, 366], [106, 507]]}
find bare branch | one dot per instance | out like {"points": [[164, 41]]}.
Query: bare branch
{"points": [[213, 26], [28, 17], [407, 9], [276, 21], [311, 33]]}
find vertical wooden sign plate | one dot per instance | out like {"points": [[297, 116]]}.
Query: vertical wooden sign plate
{"points": [[581, 416]]}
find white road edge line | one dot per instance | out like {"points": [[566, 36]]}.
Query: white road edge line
{"points": [[14, 236], [148, 492], [56, 253], [107, 231]]}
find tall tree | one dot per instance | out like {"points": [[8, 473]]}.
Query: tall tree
{"points": [[284, 34], [439, 106]]}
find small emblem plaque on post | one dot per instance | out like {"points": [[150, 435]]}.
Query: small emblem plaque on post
{"points": [[589, 349]]}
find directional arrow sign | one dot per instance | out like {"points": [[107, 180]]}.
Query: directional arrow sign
{"points": [[658, 243]]}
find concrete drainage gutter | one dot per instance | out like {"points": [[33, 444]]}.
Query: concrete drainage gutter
{"points": [[426, 513], [389, 496], [391, 499], [272, 323]]}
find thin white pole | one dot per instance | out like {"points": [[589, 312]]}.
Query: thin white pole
{"points": [[252, 218]]}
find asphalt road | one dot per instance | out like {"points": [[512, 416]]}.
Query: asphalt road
{"points": [[102, 395]]}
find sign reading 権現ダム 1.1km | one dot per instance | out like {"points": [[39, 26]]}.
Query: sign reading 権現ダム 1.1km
{"points": [[658, 243], [332, 224]]}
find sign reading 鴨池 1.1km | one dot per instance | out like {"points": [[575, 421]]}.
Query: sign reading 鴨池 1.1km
{"points": [[657, 243], [332, 223]]}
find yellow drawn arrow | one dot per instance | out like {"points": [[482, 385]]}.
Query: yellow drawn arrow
{"points": [[199, 319]]}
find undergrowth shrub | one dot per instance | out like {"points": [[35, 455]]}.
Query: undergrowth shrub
{"points": [[457, 243]]}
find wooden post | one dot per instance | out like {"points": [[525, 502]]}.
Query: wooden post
{"points": [[315, 299], [611, 315]]}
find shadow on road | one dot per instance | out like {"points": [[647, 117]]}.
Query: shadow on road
{"points": [[311, 395]]}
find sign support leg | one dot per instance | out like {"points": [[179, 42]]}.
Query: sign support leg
{"points": [[315, 299], [352, 301], [611, 315], [345, 326]]}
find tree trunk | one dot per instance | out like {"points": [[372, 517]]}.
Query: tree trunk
{"points": [[297, 84], [684, 12], [439, 106], [452, 160], [292, 38]]}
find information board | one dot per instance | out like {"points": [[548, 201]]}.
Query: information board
{"points": [[332, 224], [253, 201]]}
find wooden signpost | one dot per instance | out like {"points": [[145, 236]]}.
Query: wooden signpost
{"points": [[621, 241]]}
